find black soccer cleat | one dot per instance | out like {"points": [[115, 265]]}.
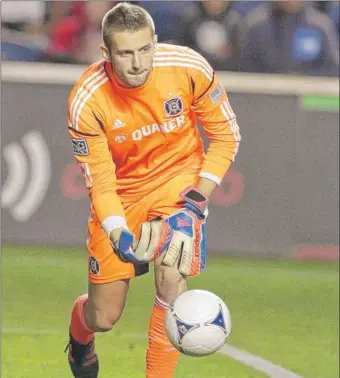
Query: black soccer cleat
{"points": [[82, 359]]}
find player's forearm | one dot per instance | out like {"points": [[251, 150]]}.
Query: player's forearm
{"points": [[109, 210], [206, 186], [224, 137], [217, 160]]}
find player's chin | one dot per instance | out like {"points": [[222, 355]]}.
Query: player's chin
{"points": [[137, 80]]}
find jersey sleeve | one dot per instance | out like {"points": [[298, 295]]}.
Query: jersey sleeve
{"points": [[91, 150], [212, 107]]}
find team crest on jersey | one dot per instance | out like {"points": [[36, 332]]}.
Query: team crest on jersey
{"points": [[173, 106], [94, 266]]}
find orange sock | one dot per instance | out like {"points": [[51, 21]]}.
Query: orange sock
{"points": [[78, 327], [162, 357]]}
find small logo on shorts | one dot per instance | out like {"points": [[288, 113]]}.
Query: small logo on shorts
{"points": [[94, 266]]}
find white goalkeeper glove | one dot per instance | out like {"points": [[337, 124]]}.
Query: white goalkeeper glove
{"points": [[139, 251]]}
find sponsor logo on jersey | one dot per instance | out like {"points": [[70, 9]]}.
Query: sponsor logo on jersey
{"points": [[165, 127], [117, 124], [80, 147], [173, 106]]}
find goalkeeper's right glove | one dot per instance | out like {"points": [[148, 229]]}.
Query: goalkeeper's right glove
{"points": [[140, 251], [185, 243]]}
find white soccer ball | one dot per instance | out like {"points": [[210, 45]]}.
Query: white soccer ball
{"points": [[198, 323]]}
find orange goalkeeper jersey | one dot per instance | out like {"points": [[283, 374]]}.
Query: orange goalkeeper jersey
{"points": [[130, 141]]}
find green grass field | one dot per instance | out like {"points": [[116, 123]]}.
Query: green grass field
{"points": [[285, 312]]}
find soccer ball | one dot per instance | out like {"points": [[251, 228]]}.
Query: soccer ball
{"points": [[198, 323]]}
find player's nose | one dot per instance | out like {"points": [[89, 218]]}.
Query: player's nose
{"points": [[136, 62]]}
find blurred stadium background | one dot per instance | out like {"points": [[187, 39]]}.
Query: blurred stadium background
{"points": [[277, 207]]}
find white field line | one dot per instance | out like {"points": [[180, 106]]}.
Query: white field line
{"points": [[257, 363]]}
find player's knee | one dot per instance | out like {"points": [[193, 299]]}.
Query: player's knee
{"points": [[169, 283], [103, 321], [105, 305]]}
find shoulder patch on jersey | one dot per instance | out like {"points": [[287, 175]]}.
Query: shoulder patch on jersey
{"points": [[216, 94], [80, 147], [173, 106]]}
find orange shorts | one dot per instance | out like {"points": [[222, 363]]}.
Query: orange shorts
{"points": [[104, 265]]}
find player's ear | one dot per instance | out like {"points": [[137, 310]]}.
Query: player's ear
{"points": [[155, 39], [105, 52]]}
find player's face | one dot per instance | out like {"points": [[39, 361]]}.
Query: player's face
{"points": [[132, 56]]}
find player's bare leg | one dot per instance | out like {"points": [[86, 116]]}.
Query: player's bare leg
{"points": [[96, 311], [162, 357]]}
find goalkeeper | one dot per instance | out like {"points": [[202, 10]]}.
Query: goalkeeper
{"points": [[132, 120]]}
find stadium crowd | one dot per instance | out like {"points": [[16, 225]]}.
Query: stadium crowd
{"points": [[294, 37]]}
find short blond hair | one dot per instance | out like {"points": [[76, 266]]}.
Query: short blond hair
{"points": [[125, 17]]}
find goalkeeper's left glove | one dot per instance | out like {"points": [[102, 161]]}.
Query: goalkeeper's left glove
{"points": [[139, 251], [185, 241]]}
